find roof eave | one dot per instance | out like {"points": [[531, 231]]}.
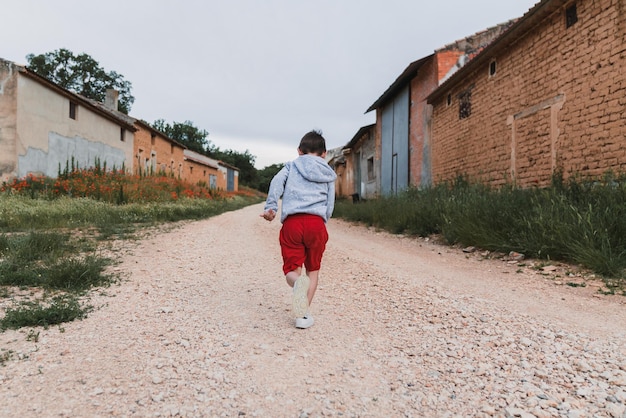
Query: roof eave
{"points": [[518, 30], [403, 79], [75, 97]]}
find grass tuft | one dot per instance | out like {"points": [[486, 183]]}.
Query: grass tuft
{"points": [[62, 308]]}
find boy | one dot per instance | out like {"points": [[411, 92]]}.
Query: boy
{"points": [[307, 187]]}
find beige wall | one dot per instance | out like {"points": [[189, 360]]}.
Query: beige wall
{"points": [[47, 136], [556, 102]]}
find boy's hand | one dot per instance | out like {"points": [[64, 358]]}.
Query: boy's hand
{"points": [[268, 215]]}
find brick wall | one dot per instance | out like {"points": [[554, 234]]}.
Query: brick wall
{"points": [[155, 153], [556, 101], [195, 172]]}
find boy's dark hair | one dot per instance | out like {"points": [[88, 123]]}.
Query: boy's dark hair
{"points": [[313, 143]]}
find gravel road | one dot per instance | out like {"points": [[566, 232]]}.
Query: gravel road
{"points": [[201, 326]]}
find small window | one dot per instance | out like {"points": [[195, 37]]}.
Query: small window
{"points": [[492, 68], [152, 139], [571, 16], [370, 168], [190, 169], [449, 99], [465, 104], [123, 135], [73, 110], [171, 148]]}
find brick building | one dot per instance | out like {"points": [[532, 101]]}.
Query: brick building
{"points": [[549, 94], [403, 118], [355, 167], [216, 174], [156, 153]]}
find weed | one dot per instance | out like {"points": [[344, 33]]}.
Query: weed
{"points": [[32, 336], [574, 284], [5, 355], [62, 308]]}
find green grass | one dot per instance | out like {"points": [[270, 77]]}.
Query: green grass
{"points": [[60, 309], [52, 247], [21, 213], [582, 221]]}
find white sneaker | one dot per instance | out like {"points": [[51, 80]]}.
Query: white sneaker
{"points": [[300, 298], [304, 322]]}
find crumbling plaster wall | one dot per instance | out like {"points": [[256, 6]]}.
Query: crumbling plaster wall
{"points": [[8, 116]]}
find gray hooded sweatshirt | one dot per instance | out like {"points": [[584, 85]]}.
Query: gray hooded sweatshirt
{"points": [[307, 185]]}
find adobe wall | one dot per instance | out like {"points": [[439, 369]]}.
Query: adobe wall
{"points": [[195, 173], [556, 101], [344, 182], [169, 156]]}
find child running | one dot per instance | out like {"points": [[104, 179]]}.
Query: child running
{"points": [[307, 188]]}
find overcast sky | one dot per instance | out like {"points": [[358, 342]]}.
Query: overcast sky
{"points": [[255, 74]]}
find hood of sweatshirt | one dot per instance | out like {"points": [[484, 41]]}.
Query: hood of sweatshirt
{"points": [[314, 168]]}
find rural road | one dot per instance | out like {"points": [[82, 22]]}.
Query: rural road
{"points": [[201, 326]]}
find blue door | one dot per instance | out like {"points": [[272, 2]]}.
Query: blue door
{"points": [[230, 180], [394, 162]]}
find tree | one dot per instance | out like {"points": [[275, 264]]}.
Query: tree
{"points": [[243, 161], [196, 140], [81, 74], [186, 133], [265, 176]]}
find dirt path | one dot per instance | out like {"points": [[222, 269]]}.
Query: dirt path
{"points": [[202, 327]]}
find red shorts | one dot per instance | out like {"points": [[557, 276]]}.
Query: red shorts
{"points": [[303, 239]]}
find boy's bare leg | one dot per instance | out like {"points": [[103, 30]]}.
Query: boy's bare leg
{"points": [[313, 276], [292, 276]]}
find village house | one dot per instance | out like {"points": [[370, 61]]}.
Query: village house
{"points": [[403, 118], [354, 166], [156, 153], [229, 177], [201, 169], [44, 127], [546, 97]]}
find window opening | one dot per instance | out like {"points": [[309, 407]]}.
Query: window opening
{"points": [[449, 99], [73, 109], [465, 104], [152, 139], [370, 168], [571, 16], [492, 68], [122, 134]]}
